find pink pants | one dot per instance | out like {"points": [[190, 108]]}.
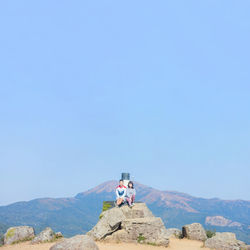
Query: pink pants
{"points": [[130, 200]]}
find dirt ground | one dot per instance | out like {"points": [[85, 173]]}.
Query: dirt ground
{"points": [[175, 244]]}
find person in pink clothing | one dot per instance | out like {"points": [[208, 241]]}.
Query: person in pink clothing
{"points": [[130, 195]]}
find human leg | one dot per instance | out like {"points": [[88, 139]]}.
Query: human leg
{"points": [[133, 198]]}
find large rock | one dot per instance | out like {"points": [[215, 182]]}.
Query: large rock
{"points": [[140, 210], [78, 242], [225, 241], [174, 233], [146, 230], [58, 235], [46, 235], [194, 231], [17, 234], [149, 230], [118, 237], [109, 223], [125, 224]]}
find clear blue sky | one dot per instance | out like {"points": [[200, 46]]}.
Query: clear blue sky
{"points": [[89, 89]]}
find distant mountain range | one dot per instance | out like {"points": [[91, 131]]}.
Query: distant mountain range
{"points": [[80, 213]]}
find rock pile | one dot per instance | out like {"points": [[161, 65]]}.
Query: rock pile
{"points": [[220, 241], [25, 233], [125, 224]]}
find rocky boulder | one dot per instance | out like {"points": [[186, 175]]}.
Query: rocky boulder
{"points": [[146, 230], [194, 231], [78, 242], [226, 241], [125, 224], [58, 235], [46, 235], [109, 222], [17, 234], [174, 233]]}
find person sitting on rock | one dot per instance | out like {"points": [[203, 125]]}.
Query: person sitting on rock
{"points": [[130, 195], [120, 191]]}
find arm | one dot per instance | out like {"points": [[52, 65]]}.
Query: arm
{"points": [[116, 192]]}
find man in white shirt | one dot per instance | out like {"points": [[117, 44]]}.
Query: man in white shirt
{"points": [[120, 191]]}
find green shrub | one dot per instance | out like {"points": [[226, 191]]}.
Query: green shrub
{"points": [[141, 238], [210, 233], [106, 206]]}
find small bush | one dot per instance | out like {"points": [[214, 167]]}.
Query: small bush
{"points": [[141, 238], [106, 206], [210, 233]]}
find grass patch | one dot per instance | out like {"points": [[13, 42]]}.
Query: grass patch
{"points": [[141, 238], [152, 244], [23, 240], [106, 206]]}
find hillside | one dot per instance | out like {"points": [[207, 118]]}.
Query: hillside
{"points": [[80, 213]]}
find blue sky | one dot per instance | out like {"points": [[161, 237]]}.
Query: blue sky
{"points": [[89, 89]]}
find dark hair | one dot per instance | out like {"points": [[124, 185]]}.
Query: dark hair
{"points": [[130, 182], [121, 180]]}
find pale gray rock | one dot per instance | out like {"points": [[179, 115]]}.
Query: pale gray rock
{"points": [[109, 223], [17, 234], [174, 233], [146, 230], [58, 235], [225, 241], [78, 242], [46, 235], [194, 231], [140, 210], [118, 237]]}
